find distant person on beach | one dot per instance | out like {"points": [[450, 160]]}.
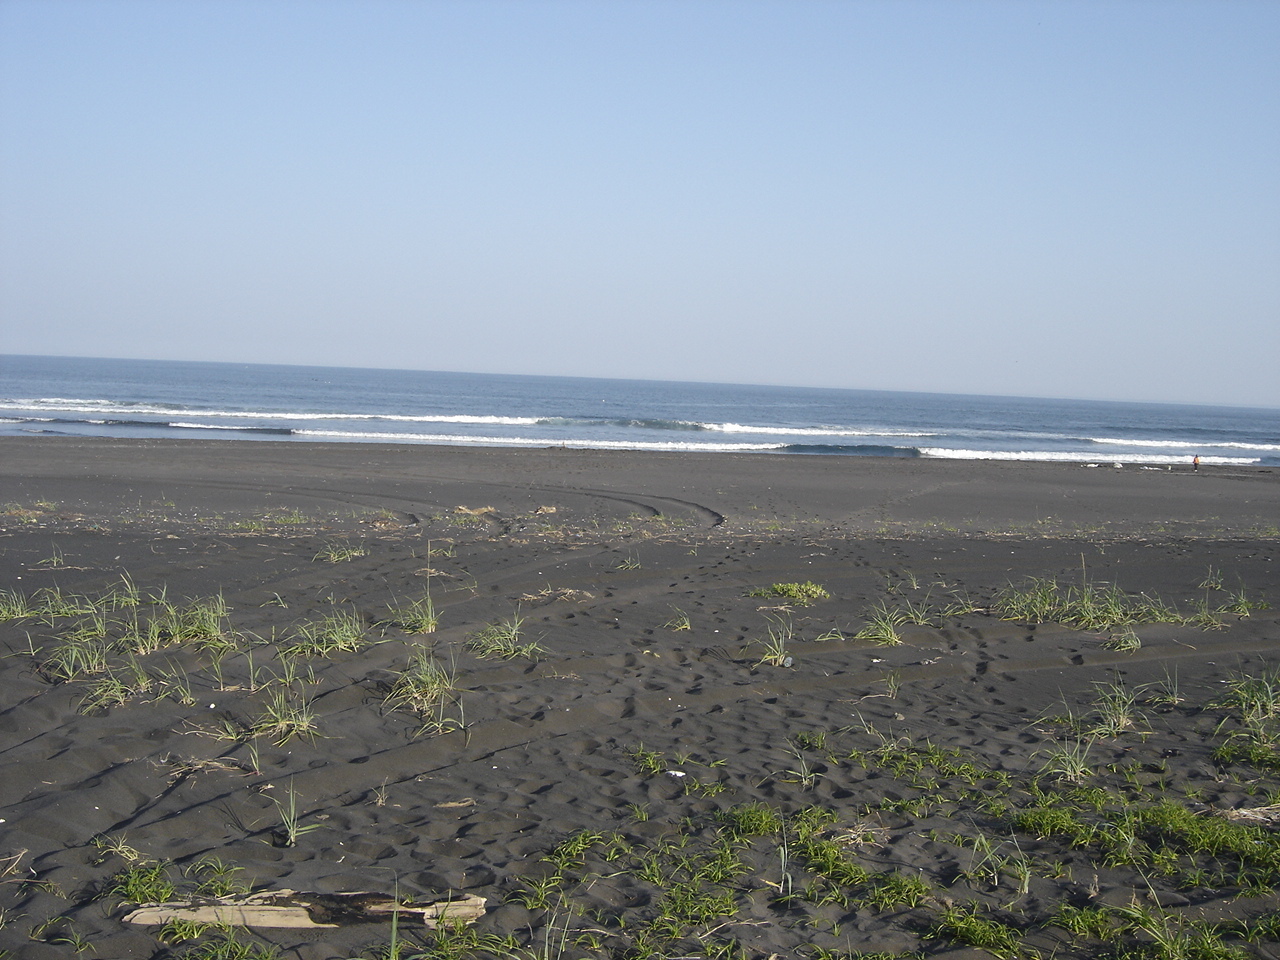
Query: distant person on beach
{"points": [[1195, 462]]}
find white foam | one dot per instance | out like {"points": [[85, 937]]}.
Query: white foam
{"points": [[672, 446], [1188, 444], [100, 407], [205, 426], [1066, 456], [809, 431], [9, 403]]}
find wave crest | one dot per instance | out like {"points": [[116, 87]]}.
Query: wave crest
{"points": [[1069, 456]]}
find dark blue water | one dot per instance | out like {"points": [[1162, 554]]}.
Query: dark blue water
{"points": [[144, 398]]}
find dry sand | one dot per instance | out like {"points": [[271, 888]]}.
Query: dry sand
{"points": [[645, 717]]}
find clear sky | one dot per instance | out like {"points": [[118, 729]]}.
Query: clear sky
{"points": [[1070, 199]]}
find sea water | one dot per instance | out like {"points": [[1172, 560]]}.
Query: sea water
{"points": [[60, 396]]}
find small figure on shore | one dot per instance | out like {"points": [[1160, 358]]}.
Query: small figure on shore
{"points": [[1195, 463]]}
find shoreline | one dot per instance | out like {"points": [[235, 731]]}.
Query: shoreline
{"points": [[204, 641], [855, 494]]}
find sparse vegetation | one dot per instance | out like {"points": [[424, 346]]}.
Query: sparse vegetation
{"points": [[882, 626], [502, 640], [429, 689], [801, 593], [341, 632], [679, 621], [284, 717], [143, 882], [416, 616], [776, 649], [341, 552], [803, 829]]}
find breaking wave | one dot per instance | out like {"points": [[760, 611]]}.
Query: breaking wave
{"points": [[1070, 456]]}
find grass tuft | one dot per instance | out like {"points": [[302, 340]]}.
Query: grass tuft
{"points": [[342, 632], [340, 552], [967, 925], [283, 719], [142, 883], [882, 626], [501, 640], [428, 689], [801, 593], [777, 650], [417, 616]]}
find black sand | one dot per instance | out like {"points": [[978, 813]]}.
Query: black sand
{"points": [[622, 723]]}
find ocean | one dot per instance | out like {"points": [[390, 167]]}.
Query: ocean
{"points": [[60, 396]]}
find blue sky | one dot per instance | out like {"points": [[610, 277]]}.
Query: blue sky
{"points": [[1052, 199]]}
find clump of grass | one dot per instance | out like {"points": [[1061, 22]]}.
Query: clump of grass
{"points": [[679, 621], [777, 647], [142, 636], [811, 739], [959, 606], [1069, 764], [283, 719], [340, 552], [291, 828], [61, 930], [1096, 922], [502, 640], [115, 688], [1124, 640], [117, 846], [176, 930], [801, 593], [77, 656], [1170, 936], [216, 878], [550, 594], [416, 616], [1212, 579], [1099, 606], [202, 623], [1089, 605], [888, 890], [1115, 710], [1254, 703], [225, 944], [143, 882], [752, 820], [921, 614], [424, 681], [649, 761], [1045, 822], [968, 926], [17, 511], [17, 606], [1239, 604], [804, 773], [428, 689], [882, 626], [1255, 700], [55, 559], [51, 602], [341, 632]]}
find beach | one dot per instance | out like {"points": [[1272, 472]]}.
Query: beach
{"points": [[643, 704]]}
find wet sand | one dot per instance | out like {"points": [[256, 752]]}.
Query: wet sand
{"points": [[640, 718]]}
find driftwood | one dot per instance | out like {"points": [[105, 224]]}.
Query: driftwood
{"points": [[476, 511], [288, 908], [1266, 816]]}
